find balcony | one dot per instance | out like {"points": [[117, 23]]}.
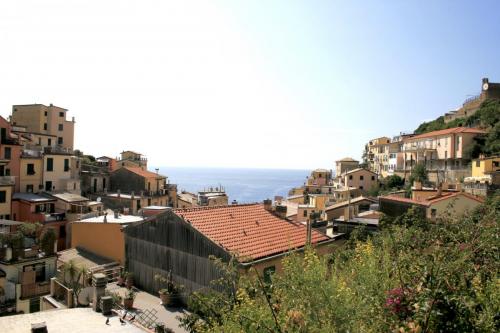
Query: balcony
{"points": [[7, 180], [35, 289], [57, 150]]}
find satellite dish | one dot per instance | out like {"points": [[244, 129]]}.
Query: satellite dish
{"points": [[98, 199]]}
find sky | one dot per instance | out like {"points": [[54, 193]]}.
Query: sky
{"points": [[255, 84]]}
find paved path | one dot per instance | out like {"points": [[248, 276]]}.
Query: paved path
{"points": [[145, 301]]}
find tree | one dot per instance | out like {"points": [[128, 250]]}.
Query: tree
{"points": [[48, 240], [394, 181], [73, 277], [418, 173]]}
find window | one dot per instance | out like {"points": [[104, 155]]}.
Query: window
{"points": [[50, 164], [373, 177], [66, 164], [62, 231], [496, 164], [30, 169], [61, 114], [59, 141], [361, 177], [7, 153], [478, 164], [48, 186], [268, 273], [3, 197], [39, 141], [7, 172], [60, 127], [305, 213], [45, 113], [45, 126], [29, 188], [361, 187], [350, 177], [49, 142], [433, 212]]}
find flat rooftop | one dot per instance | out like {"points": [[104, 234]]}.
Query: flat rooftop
{"points": [[110, 218], [77, 320]]}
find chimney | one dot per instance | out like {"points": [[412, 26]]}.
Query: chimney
{"points": [[117, 215], [118, 193], [132, 195], [439, 190], [417, 185], [268, 205], [105, 220], [99, 282], [485, 80], [347, 213], [280, 211], [39, 327]]}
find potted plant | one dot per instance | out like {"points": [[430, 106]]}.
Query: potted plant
{"points": [[128, 300], [129, 280], [121, 277], [169, 292]]}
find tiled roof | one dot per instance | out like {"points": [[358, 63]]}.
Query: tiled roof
{"points": [[431, 200], [357, 170], [248, 230], [453, 130], [346, 203], [142, 173], [347, 159]]}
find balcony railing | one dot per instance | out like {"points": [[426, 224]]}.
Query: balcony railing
{"points": [[35, 289], [7, 180]]}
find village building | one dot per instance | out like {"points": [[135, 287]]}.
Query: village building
{"points": [[359, 204], [444, 153], [187, 200], [376, 155], [144, 183], [129, 158], [362, 179], [103, 235], [485, 178], [344, 165], [185, 238], [47, 120], [25, 273], [456, 203], [212, 197]]}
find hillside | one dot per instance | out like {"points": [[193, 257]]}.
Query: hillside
{"points": [[487, 116]]}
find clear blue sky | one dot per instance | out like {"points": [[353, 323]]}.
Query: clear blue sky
{"points": [[281, 84]]}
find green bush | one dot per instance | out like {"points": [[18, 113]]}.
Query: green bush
{"points": [[407, 278]]}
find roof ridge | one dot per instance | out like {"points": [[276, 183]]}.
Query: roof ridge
{"points": [[198, 208]]}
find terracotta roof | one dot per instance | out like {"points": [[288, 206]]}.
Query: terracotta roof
{"points": [[345, 203], [432, 200], [357, 170], [347, 159], [143, 173], [447, 131], [248, 230]]}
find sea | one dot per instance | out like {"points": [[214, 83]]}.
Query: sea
{"points": [[242, 185]]}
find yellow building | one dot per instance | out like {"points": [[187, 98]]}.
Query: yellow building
{"points": [[103, 235], [344, 165], [377, 155], [361, 179], [484, 167], [31, 174], [6, 189], [60, 173], [47, 120], [131, 159]]}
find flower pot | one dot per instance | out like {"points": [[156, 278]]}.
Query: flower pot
{"points": [[165, 298], [128, 303], [120, 281], [129, 282]]}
